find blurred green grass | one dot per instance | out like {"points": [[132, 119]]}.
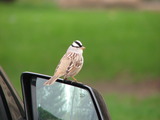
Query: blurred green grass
{"points": [[119, 43], [34, 38], [122, 107]]}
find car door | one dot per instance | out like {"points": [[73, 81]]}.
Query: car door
{"points": [[11, 106]]}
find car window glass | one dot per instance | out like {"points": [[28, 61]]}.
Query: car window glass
{"points": [[15, 113], [63, 102]]}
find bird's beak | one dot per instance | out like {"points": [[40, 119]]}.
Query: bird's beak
{"points": [[83, 48]]}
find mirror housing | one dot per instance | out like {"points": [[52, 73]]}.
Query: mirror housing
{"points": [[30, 88]]}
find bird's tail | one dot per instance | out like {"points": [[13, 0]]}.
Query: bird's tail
{"points": [[51, 80]]}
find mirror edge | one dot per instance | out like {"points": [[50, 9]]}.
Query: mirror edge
{"points": [[26, 78]]}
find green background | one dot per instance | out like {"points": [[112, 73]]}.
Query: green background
{"points": [[121, 45]]}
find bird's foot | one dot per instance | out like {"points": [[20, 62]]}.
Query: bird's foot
{"points": [[75, 79]]}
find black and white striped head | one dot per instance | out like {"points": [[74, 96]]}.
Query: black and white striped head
{"points": [[77, 44]]}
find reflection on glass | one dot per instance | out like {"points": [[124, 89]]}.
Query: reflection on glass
{"points": [[63, 102]]}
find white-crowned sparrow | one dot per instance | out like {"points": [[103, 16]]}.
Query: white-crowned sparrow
{"points": [[70, 64]]}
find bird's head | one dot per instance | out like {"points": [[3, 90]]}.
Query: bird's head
{"points": [[77, 44]]}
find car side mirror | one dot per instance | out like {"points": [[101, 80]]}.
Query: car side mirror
{"points": [[64, 100]]}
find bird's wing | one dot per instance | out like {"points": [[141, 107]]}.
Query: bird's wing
{"points": [[64, 63], [60, 69], [75, 65], [69, 65]]}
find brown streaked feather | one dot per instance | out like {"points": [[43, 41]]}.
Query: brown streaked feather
{"points": [[75, 65], [63, 65], [69, 65]]}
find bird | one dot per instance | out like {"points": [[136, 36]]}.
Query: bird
{"points": [[70, 64]]}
